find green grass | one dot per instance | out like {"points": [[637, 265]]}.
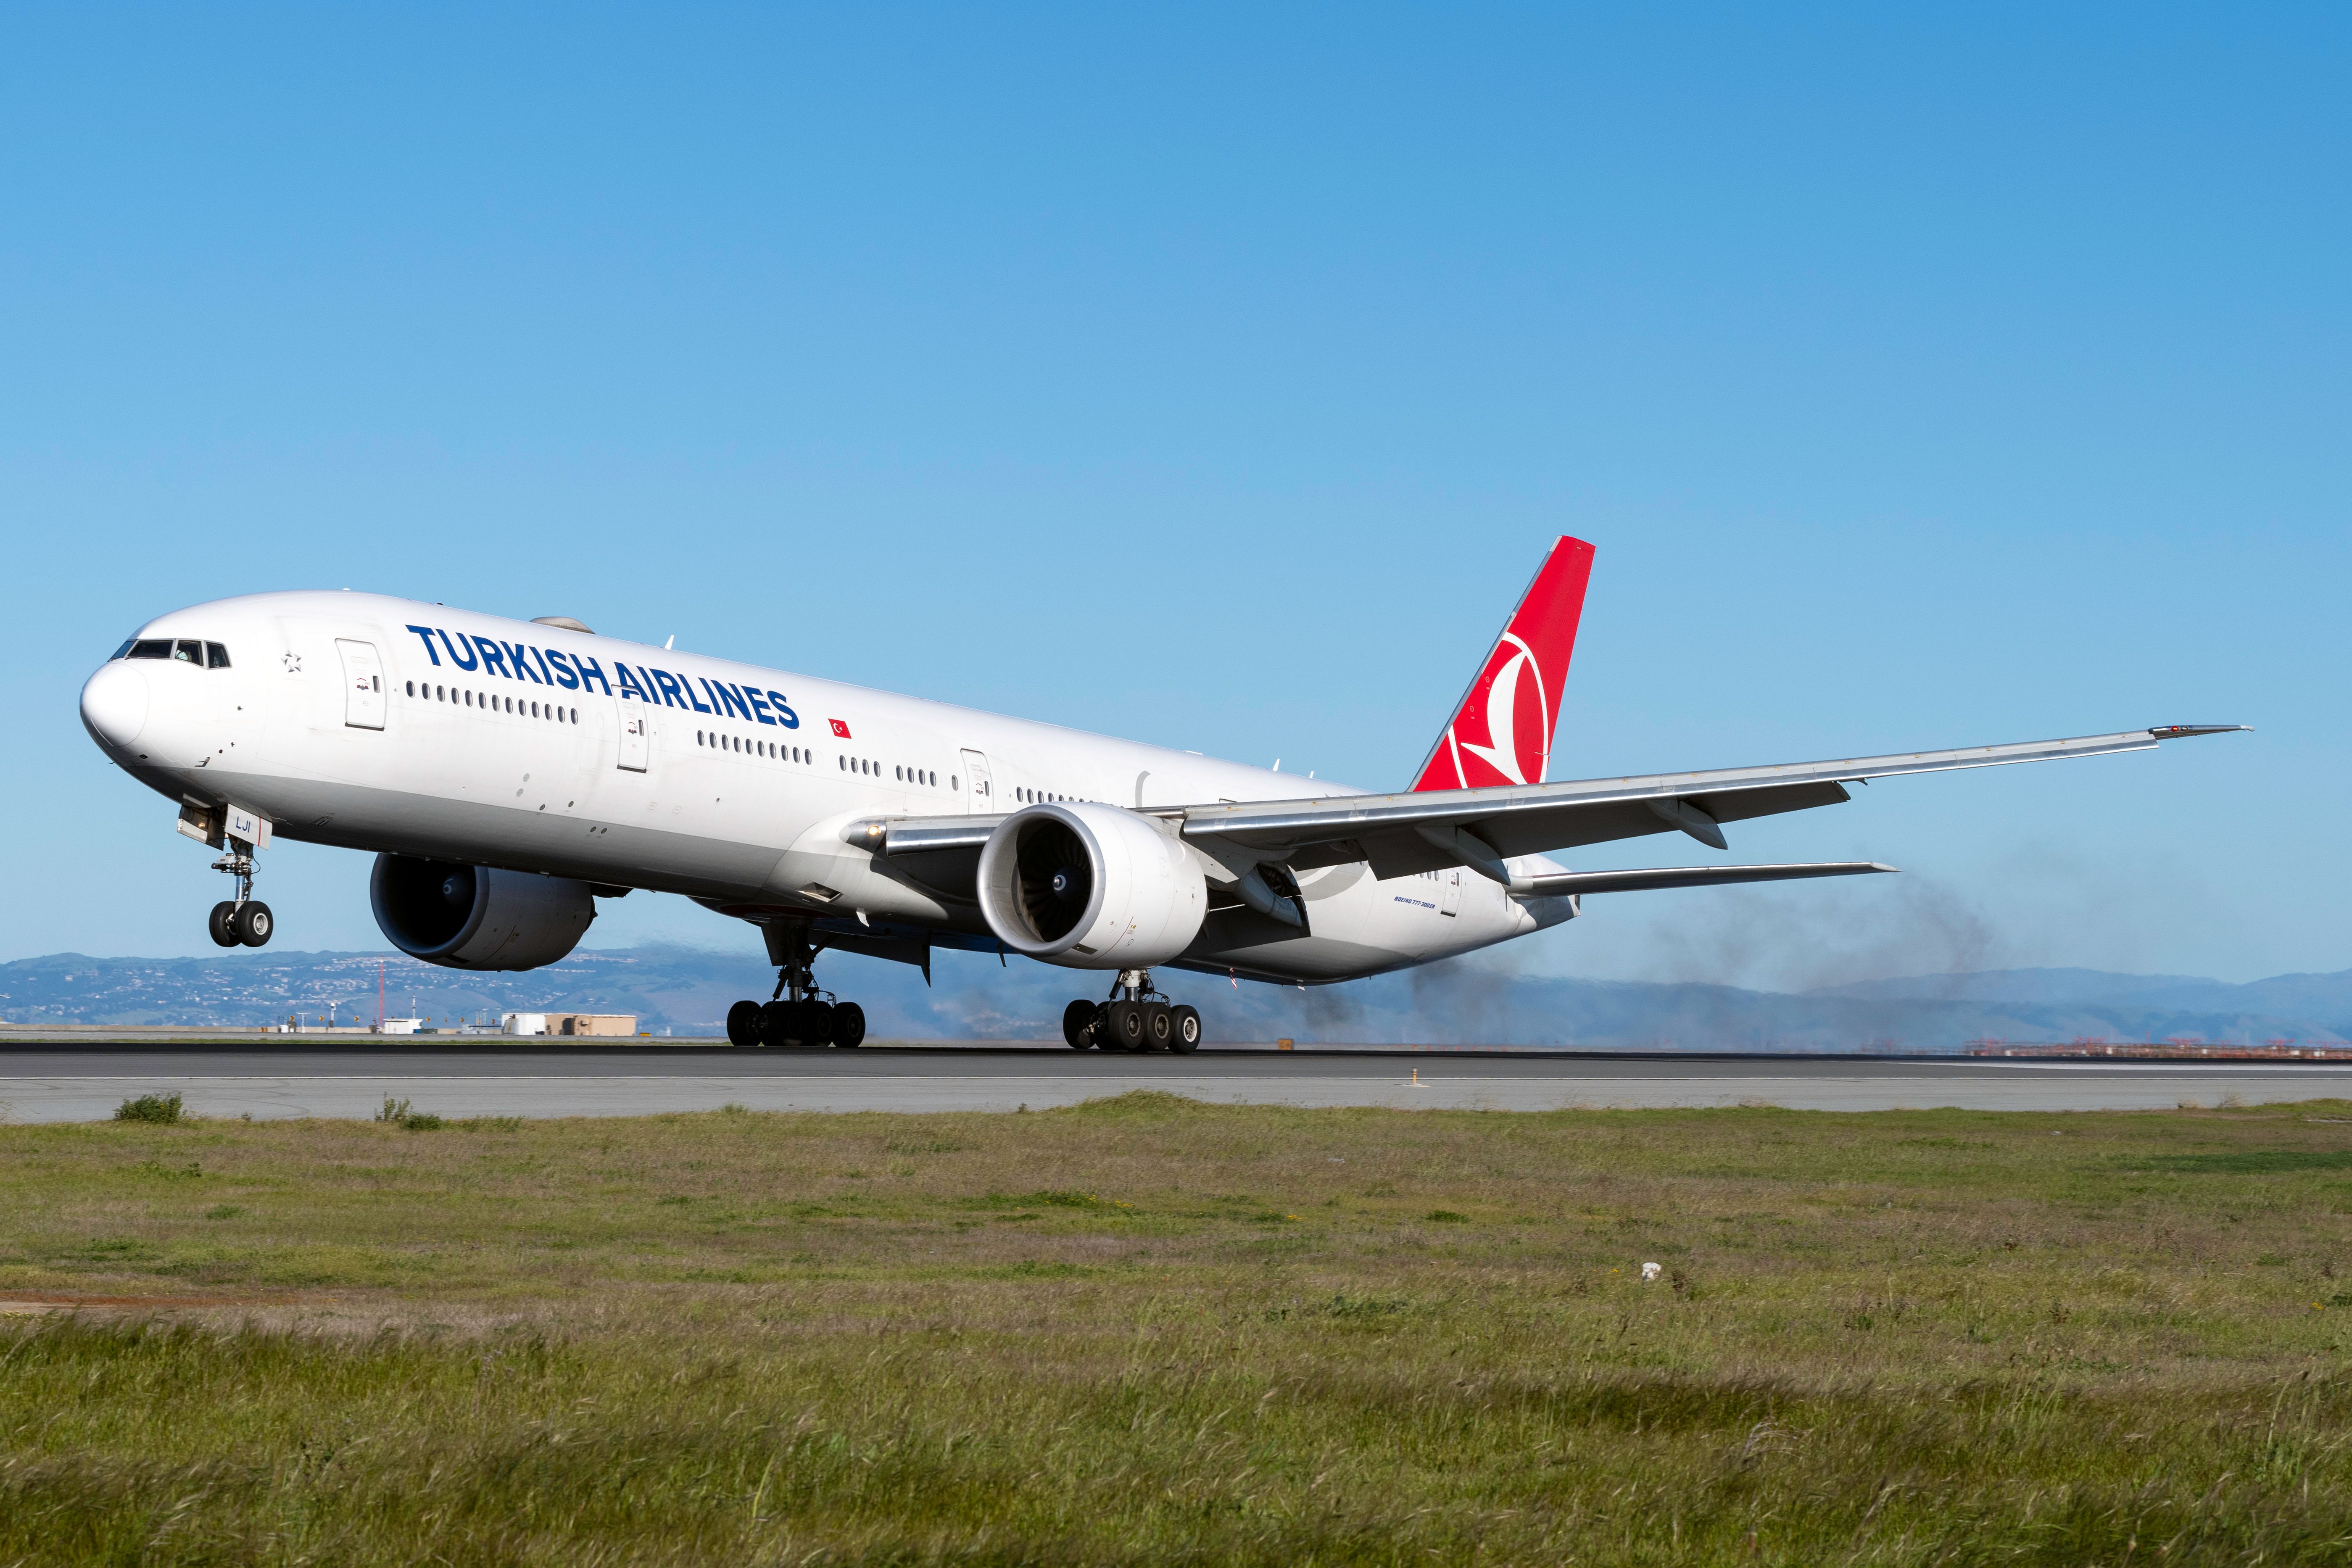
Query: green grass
{"points": [[1148, 1331]]}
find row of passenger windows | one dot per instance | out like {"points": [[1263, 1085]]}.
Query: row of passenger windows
{"points": [[1038, 797], [523, 708], [751, 747], [864, 766], [185, 650], [900, 772]]}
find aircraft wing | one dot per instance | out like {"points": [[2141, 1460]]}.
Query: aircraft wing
{"points": [[1429, 830]]}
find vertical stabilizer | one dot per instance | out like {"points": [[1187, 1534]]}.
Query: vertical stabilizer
{"points": [[1501, 733]]}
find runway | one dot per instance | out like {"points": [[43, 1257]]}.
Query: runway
{"points": [[86, 1080]]}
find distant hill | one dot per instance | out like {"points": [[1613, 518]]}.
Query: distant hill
{"points": [[687, 990], [2312, 1001]]}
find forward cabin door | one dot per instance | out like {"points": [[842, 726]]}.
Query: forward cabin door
{"points": [[635, 744], [1450, 889], [364, 695], [979, 794]]}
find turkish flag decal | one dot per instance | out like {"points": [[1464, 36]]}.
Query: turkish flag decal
{"points": [[839, 727]]}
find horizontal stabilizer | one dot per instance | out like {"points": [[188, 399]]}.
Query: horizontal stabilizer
{"points": [[1559, 882]]}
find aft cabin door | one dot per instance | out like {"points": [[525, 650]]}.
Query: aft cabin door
{"points": [[977, 791], [634, 740], [1450, 898], [363, 684]]}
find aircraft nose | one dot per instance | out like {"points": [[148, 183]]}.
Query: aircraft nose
{"points": [[114, 704]]}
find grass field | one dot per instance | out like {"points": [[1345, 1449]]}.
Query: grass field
{"points": [[1148, 1331]]}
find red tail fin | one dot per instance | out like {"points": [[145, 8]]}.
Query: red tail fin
{"points": [[1502, 732]]}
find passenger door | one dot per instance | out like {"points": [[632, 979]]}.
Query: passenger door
{"points": [[1450, 899], [977, 791], [363, 699], [635, 741]]}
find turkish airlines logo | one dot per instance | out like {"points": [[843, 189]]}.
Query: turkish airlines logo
{"points": [[1518, 754], [839, 727]]}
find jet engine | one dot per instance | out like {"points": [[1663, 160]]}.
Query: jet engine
{"points": [[1090, 887], [473, 917]]}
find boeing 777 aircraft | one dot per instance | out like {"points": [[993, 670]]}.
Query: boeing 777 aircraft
{"points": [[507, 774]]}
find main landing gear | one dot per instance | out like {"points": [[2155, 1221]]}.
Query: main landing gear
{"points": [[1136, 1018], [806, 1016], [244, 921]]}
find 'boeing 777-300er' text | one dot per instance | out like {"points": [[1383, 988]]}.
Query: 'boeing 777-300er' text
{"points": [[509, 773]]}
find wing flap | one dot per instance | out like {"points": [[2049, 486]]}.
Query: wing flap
{"points": [[1588, 882]]}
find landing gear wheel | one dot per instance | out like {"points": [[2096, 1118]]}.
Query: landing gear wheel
{"points": [[1159, 1026], [819, 1018], [1078, 1025], [744, 1023], [1124, 1021], [252, 924], [779, 1023], [849, 1026], [224, 934], [1186, 1037]]}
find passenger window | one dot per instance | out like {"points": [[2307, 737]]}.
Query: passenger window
{"points": [[215, 656], [411, 689], [151, 648]]}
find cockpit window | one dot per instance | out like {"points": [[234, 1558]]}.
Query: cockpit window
{"points": [[186, 650], [124, 651]]}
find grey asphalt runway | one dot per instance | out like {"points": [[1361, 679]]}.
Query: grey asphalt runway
{"points": [[86, 1080]]}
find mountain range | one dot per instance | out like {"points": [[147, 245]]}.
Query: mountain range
{"points": [[687, 991]]}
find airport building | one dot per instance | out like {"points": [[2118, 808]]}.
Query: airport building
{"points": [[604, 1024]]}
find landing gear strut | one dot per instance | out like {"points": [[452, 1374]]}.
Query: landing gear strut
{"points": [[1136, 1018], [798, 1012], [244, 921]]}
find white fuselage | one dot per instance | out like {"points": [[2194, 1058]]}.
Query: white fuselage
{"points": [[727, 782]]}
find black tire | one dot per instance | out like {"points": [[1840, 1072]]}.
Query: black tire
{"points": [[1159, 1026], [1187, 1037], [848, 1025], [817, 1022], [744, 1023], [224, 934], [1124, 1023], [252, 923], [1078, 1025], [780, 1024]]}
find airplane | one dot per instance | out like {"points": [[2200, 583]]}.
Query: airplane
{"points": [[507, 774]]}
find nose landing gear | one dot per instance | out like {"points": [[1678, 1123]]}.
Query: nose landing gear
{"points": [[244, 921], [798, 1014], [1136, 1018]]}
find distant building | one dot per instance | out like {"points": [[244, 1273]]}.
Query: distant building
{"points": [[624, 1024], [398, 1026], [574, 1023]]}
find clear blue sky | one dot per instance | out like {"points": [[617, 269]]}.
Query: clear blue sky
{"points": [[1215, 376]]}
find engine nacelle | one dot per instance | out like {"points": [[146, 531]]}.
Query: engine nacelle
{"points": [[472, 917], [1090, 887]]}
